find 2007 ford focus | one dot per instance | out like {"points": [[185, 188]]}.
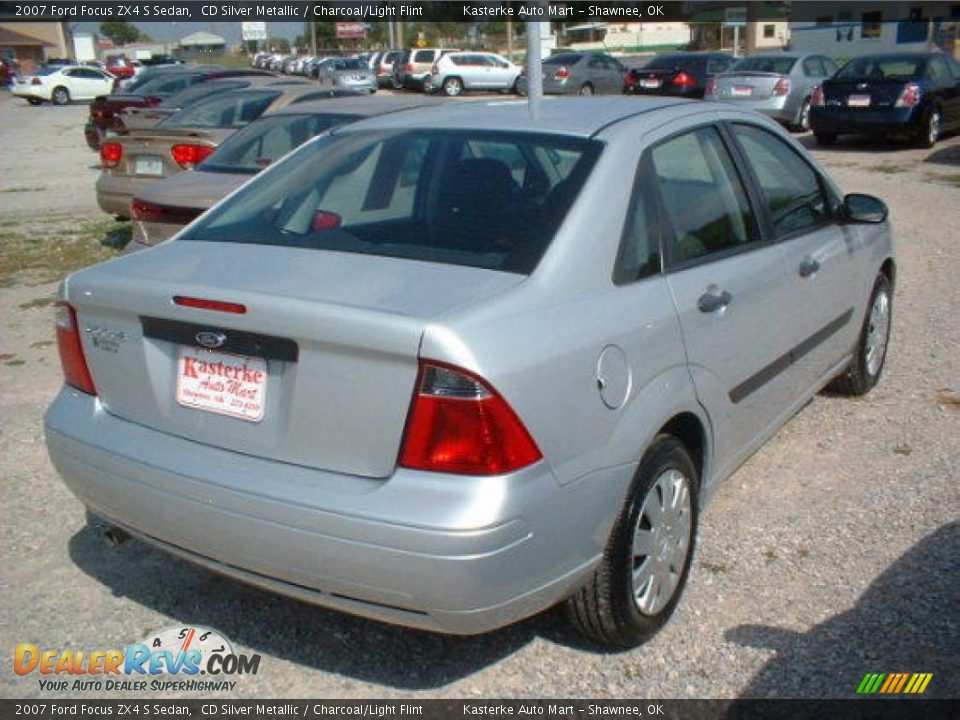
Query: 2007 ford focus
{"points": [[451, 367]]}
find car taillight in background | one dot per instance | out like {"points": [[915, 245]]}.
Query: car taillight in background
{"points": [[145, 211], [782, 87], [817, 98], [36, 81], [190, 154], [684, 79], [110, 154], [711, 87], [909, 97], [459, 424], [631, 78], [152, 100], [562, 73], [72, 360]]}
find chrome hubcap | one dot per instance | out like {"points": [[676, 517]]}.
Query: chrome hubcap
{"points": [[661, 541], [877, 333], [805, 116], [934, 128]]}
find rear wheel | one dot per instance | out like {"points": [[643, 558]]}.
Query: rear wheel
{"points": [[871, 351], [586, 89], [452, 86], [825, 139], [930, 132], [60, 96], [639, 582]]}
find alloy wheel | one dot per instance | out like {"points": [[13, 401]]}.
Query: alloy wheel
{"points": [[878, 332]]}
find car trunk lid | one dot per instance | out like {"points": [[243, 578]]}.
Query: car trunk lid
{"points": [[148, 153], [337, 336], [863, 92], [747, 85]]}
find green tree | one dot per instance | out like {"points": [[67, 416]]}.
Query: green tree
{"points": [[120, 31]]}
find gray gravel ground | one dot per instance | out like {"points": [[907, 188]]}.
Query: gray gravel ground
{"points": [[834, 552]]}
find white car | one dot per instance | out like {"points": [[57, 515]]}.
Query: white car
{"points": [[458, 71], [61, 84]]}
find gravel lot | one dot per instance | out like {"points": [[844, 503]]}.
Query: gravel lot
{"points": [[834, 552]]}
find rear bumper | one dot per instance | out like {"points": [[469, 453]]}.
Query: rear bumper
{"points": [[452, 554], [666, 90], [777, 107], [29, 92], [116, 192], [866, 121]]}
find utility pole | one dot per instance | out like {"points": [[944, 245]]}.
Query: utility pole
{"points": [[510, 40], [313, 38], [534, 70]]}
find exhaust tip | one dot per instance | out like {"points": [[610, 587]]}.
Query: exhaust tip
{"points": [[111, 535]]}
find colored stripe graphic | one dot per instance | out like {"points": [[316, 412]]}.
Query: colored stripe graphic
{"points": [[894, 683]]}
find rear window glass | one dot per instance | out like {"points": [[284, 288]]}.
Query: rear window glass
{"points": [[673, 62], [233, 110], [423, 56], [565, 59], [882, 68], [261, 143], [349, 64], [199, 92], [781, 65], [483, 199]]}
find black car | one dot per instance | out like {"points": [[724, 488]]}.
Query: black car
{"points": [[677, 74], [915, 95]]}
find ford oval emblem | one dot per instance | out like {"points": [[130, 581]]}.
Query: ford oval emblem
{"points": [[211, 338]]}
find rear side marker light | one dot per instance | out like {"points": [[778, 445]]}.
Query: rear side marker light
{"points": [[215, 305], [459, 424], [76, 373]]}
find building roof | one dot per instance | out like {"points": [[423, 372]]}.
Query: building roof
{"points": [[201, 38], [11, 38]]}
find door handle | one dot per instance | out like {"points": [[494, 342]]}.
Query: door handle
{"points": [[808, 266], [711, 301]]}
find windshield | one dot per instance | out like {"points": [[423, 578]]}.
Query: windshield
{"points": [[484, 199], [269, 139], [198, 92], [882, 68], [233, 110], [780, 65]]}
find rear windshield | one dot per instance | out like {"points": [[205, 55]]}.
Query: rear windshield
{"points": [[198, 92], [564, 59], [882, 68], [233, 110], [782, 65], [674, 62], [350, 64], [254, 147], [483, 199]]}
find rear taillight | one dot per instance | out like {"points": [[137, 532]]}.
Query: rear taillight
{"points": [[631, 78], [817, 100], [684, 79], [36, 81], [188, 155], [909, 97], [782, 87], [459, 424], [145, 211], [562, 73], [411, 67], [110, 154], [75, 370], [711, 87]]}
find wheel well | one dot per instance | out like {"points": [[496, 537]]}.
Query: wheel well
{"points": [[688, 429], [889, 269]]}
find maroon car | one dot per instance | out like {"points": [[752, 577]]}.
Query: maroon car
{"points": [[105, 111]]}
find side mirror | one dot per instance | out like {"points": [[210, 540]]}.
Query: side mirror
{"points": [[859, 208]]}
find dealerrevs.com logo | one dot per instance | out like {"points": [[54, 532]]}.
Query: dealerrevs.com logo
{"points": [[173, 659]]}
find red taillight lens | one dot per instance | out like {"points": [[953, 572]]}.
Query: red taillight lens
{"points": [[145, 211], [561, 74], [152, 100], [111, 154], [712, 87], [459, 424], [75, 370], [782, 87], [631, 78], [36, 81], [186, 156], [909, 97], [411, 67], [684, 79], [215, 305], [817, 98]]}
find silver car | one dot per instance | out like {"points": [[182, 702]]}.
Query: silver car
{"points": [[579, 73], [347, 73], [447, 368], [778, 85], [459, 71]]}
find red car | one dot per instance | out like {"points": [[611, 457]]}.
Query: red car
{"points": [[120, 67]]}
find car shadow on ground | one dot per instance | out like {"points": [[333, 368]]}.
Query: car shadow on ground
{"points": [[949, 155], [868, 144], [908, 620], [299, 632]]}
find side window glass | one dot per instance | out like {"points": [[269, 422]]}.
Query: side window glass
{"points": [[704, 198], [790, 187], [639, 255]]}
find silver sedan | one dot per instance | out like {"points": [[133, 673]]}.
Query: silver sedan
{"points": [[346, 73], [449, 367]]}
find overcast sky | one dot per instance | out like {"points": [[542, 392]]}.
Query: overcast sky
{"points": [[172, 31]]}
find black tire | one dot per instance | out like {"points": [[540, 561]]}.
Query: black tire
{"points": [[60, 96], [929, 132], [858, 379], [586, 90], [605, 609], [452, 87], [825, 139]]}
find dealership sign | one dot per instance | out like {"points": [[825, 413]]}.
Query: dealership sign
{"points": [[351, 31]]}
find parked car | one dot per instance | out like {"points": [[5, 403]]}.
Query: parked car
{"points": [[411, 69], [105, 111], [62, 84], [120, 66], [384, 66], [161, 61], [347, 74], [183, 140], [677, 74], [450, 367], [912, 95], [456, 72], [579, 73], [778, 85], [163, 208]]}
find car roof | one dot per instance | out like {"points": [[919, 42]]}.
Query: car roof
{"points": [[568, 116], [363, 105]]}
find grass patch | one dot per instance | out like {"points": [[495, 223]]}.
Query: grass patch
{"points": [[39, 302], [36, 188], [14, 363], [41, 344], [949, 179], [887, 168]]}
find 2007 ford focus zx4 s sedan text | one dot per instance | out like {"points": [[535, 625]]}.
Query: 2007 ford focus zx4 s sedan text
{"points": [[452, 366]]}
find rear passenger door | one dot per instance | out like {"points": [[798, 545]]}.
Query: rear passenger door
{"points": [[729, 288]]}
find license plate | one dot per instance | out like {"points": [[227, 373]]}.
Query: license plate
{"points": [[741, 91], [222, 383], [148, 166], [648, 83], [858, 101]]}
